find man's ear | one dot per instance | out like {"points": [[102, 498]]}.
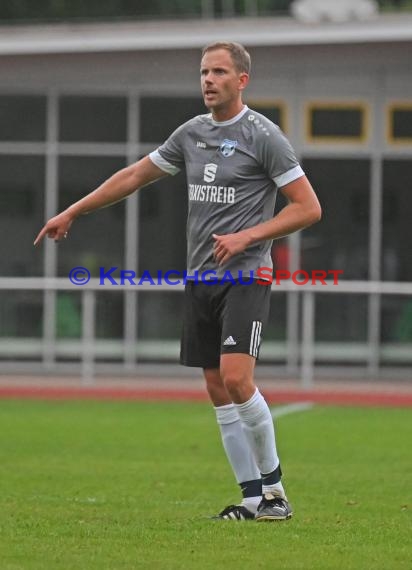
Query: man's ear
{"points": [[243, 81]]}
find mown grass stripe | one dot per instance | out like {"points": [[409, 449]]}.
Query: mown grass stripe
{"points": [[288, 409]]}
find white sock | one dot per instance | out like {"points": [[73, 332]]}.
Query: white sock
{"points": [[258, 427], [251, 503], [276, 489], [236, 444]]}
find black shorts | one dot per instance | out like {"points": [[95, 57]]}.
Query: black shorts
{"points": [[222, 319]]}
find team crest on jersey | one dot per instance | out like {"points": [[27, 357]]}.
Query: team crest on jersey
{"points": [[227, 148]]}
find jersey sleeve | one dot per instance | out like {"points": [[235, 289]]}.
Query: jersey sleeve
{"points": [[169, 156], [277, 156]]}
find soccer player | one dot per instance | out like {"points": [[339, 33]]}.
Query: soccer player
{"points": [[235, 160]]}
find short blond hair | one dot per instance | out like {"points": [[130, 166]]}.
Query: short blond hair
{"points": [[238, 53]]}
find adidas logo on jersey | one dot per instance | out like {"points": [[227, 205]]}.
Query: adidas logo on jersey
{"points": [[230, 341]]}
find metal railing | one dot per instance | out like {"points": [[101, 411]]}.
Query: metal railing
{"points": [[373, 289]]}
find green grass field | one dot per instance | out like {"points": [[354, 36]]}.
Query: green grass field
{"points": [[104, 485]]}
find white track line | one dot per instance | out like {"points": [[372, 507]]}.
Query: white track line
{"points": [[291, 409]]}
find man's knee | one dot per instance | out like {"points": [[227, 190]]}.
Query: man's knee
{"points": [[215, 387], [234, 380], [237, 375]]}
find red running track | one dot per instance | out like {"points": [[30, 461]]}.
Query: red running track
{"points": [[333, 397]]}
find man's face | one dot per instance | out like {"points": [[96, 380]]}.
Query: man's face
{"points": [[221, 82]]}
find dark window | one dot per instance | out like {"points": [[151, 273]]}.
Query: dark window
{"points": [[396, 326], [160, 316], [93, 119], [401, 124], [396, 221], [336, 122], [341, 318], [97, 240], [21, 315], [21, 214], [68, 314], [160, 116], [162, 225], [22, 118], [275, 330], [339, 241], [109, 315], [17, 202], [162, 247]]}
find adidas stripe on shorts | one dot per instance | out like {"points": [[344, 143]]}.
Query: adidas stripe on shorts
{"points": [[222, 319]]}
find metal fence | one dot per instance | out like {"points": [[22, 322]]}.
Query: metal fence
{"points": [[306, 347]]}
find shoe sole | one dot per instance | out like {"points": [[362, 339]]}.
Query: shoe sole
{"points": [[230, 520], [273, 518]]}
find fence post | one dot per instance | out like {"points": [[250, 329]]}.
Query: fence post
{"points": [[308, 339], [88, 335]]}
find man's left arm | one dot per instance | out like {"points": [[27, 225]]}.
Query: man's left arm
{"points": [[302, 211]]}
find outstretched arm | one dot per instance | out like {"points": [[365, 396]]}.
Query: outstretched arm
{"points": [[116, 188], [302, 210]]}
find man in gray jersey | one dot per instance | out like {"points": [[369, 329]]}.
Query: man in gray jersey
{"points": [[235, 160]]}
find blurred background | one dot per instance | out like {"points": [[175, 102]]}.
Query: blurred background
{"points": [[88, 87]]}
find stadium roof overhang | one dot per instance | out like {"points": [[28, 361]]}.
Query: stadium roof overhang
{"points": [[161, 35]]}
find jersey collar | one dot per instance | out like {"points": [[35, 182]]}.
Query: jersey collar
{"points": [[230, 121]]}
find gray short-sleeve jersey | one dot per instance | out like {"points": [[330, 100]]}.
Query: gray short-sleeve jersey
{"points": [[233, 171]]}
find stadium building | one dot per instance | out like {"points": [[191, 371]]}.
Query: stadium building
{"points": [[78, 102]]}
